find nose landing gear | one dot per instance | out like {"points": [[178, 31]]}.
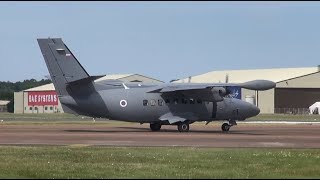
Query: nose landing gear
{"points": [[226, 126]]}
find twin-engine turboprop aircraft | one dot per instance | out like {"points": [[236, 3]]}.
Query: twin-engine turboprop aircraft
{"points": [[160, 104]]}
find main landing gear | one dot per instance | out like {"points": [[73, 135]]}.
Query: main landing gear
{"points": [[183, 126], [155, 126], [226, 126]]}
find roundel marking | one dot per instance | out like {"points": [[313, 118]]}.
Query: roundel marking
{"points": [[123, 103]]}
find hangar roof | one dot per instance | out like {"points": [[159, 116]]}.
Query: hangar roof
{"points": [[122, 76], [46, 87], [50, 87], [239, 76]]}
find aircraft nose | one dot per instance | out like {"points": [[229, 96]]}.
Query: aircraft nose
{"points": [[247, 109], [255, 110]]}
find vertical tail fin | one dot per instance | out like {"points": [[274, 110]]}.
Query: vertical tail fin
{"points": [[62, 64]]}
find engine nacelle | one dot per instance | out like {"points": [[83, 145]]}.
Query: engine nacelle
{"points": [[222, 91]]}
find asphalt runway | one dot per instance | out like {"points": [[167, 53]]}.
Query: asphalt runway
{"points": [[242, 135]]}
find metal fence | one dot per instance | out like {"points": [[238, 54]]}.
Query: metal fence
{"points": [[292, 111]]}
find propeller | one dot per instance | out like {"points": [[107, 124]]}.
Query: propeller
{"points": [[227, 90], [227, 78], [222, 91]]}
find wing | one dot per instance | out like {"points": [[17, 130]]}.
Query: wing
{"points": [[210, 91]]}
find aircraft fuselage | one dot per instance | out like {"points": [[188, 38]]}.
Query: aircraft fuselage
{"points": [[135, 104]]}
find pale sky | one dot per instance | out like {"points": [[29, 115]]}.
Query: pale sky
{"points": [[163, 40]]}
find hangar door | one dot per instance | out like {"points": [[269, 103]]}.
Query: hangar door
{"points": [[295, 98]]}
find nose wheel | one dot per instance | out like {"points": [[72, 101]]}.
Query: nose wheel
{"points": [[226, 126]]}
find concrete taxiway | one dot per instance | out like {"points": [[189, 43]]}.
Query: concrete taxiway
{"points": [[242, 135]]}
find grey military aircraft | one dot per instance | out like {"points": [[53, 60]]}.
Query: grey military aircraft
{"points": [[160, 104]]}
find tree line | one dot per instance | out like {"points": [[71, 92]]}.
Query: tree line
{"points": [[8, 88]]}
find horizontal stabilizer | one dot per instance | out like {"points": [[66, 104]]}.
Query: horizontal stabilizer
{"points": [[114, 82], [84, 80]]}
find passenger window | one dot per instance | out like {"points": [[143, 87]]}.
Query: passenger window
{"points": [[153, 102], [160, 101], [199, 101], [51, 108], [191, 101], [167, 101], [176, 101], [46, 108], [145, 102], [30, 108]]}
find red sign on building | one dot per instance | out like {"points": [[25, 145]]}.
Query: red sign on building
{"points": [[42, 98]]}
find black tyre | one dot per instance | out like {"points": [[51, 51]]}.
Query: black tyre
{"points": [[183, 127], [155, 126], [225, 127]]}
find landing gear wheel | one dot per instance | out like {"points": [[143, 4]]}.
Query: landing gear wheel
{"points": [[155, 126], [225, 127], [183, 127]]}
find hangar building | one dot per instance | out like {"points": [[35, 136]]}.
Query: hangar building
{"points": [[296, 88], [43, 99]]}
